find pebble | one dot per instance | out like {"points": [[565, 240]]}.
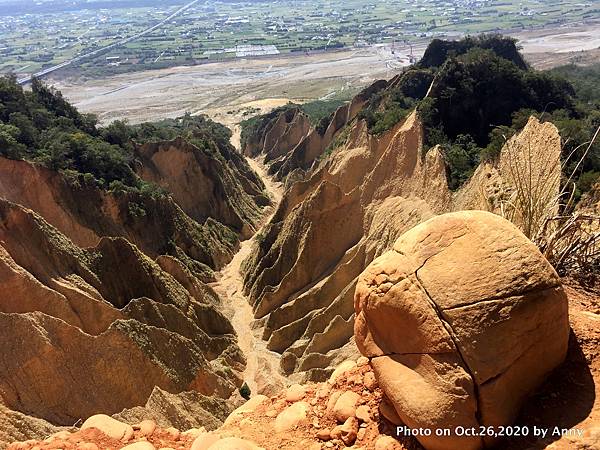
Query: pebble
{"points": [[142, 445], [109, 426], [363, 413], [362, 361], [341, 369], [324, 434], [295, 392], [291, 417], [369, 381], [345, 406], [346, 432], [174, 433], [146, 427]]}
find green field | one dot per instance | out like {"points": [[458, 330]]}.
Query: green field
{"points": [[206, 31]]}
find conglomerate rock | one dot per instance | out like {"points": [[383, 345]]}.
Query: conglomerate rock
{"points": [[462, 320]]}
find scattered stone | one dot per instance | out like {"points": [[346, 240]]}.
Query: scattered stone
{"points": [[363, 413], [332, 400], [324, 434], [291, 416], [387, 443], [109, 426], [361, 433], [369, 381], [142, 445], [234, 443], [323, 390], [346, 432], [173, 433], [295, 392], [362, 361], [345, 406], [341, 369], [146, 427]]}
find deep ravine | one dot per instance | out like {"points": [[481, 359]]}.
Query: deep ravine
{"points": [[262, 370]]}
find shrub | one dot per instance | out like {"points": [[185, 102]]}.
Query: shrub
{"points": [[245, 391]]}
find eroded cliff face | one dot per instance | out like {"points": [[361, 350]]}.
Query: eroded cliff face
{"points": [[97, 329], [85, 213], [104, 305], [349, 210], [327, 229], [206, 182], [291, 147]]}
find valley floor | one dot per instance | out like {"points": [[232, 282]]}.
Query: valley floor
{"points": [[262, 369]]}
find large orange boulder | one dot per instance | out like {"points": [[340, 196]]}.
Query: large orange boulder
{"points": [[462, 319]]}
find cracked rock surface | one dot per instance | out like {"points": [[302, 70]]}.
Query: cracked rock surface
{"points": [[462, 319]]}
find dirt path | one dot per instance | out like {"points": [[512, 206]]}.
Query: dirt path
{"points": [[262, 369]]}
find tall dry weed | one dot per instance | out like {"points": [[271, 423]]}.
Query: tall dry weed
{"points": [[536, 200]]}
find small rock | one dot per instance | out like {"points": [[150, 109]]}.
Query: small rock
{"points": [[295, 393], [387, 443], [234, 443], [355, 379], [194, 432], [341, 369], [362, 361], [363, 413], [361, 434], [142, 445], [247, 407], [87, 446], [204, 441], [313, 401], [346, 432], [332, 400], [369, 381], [345, 406], [146, 427], [324, 434], [323, 390], [109, 426], [174, 433], [291, 417]]}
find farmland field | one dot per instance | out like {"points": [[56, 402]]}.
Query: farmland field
{"points": [[34, 36]]}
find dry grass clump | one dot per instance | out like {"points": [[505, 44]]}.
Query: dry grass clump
{"points": [[534, 200]]}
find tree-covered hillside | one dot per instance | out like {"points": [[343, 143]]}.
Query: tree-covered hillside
{"points": [[482, 92], [41, 126]]}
